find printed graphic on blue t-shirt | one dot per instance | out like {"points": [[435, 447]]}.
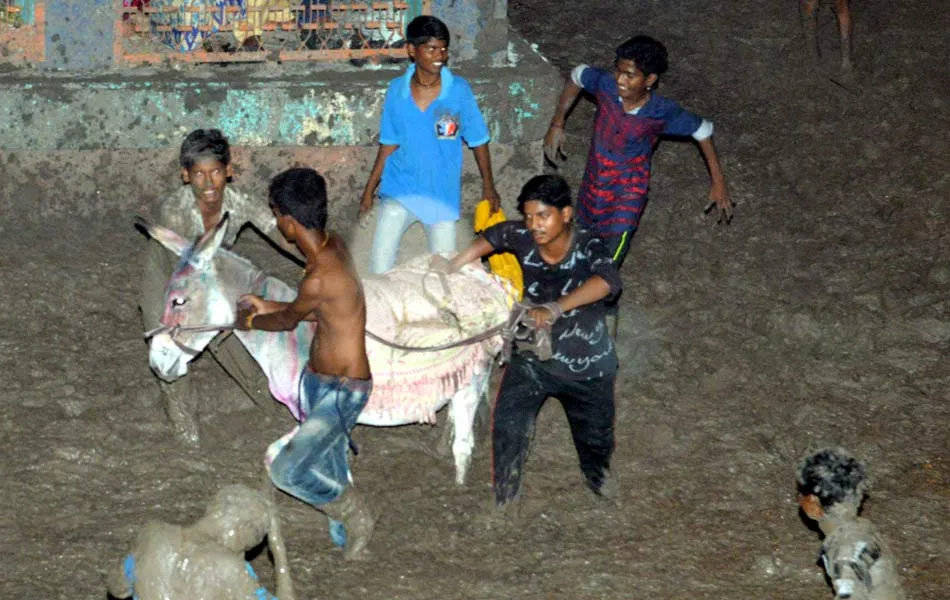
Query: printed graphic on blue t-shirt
{"points": [[617, 176], [447, 127], [424, 173]]}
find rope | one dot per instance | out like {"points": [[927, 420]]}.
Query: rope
{"points": [[174, 331], [507, 329], [491, 332], [479, 337]]}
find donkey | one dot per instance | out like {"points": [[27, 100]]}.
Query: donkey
{"points": [[408, 387]]}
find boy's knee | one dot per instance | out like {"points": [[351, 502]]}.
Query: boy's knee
{"points": [[284, 471]]}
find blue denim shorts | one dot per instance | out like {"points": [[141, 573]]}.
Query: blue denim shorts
{"points": [[313, 465]]}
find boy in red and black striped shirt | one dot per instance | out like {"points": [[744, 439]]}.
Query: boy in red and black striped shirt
{"points": [[629, 121]]}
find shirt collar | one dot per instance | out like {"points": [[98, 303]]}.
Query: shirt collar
{"points": [[447, 80], [636, 110], [188, 197]]}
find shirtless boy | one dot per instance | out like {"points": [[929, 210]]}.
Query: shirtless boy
{"points": [[336, 383]]}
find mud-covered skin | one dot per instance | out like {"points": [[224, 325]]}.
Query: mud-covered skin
{"points": [[858, 561], [832, 486], [205, 560]]}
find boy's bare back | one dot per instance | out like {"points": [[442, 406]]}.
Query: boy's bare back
{"points": [[330, 292], [334, 288]]}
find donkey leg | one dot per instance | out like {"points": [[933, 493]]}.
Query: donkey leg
{"points": [[463, 407], [809, 9], [446, 435], [244, 370], [180, 402], [845, 28], [483, 414], [179, 399]]}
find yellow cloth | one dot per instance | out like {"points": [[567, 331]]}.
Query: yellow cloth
{"points": [[505, 265]]}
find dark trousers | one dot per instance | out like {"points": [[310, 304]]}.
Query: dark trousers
{"points": [[589, 405], [617, 248]]}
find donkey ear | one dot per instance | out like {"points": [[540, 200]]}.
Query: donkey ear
{"points": [[163, 235], [209, 243]]}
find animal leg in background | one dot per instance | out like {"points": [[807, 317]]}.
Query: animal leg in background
{"points": [[845, 28], [809, 9], [810, 23], [179, 399]]}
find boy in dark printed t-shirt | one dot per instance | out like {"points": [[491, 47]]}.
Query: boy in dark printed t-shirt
{"points": [[568, 275]]}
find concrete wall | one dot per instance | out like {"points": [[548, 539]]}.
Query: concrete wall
{"points": [[79, 34], [80, 136], [91, 144]]}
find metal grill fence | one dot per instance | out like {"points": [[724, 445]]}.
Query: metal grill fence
{"points": [[149, 31]]}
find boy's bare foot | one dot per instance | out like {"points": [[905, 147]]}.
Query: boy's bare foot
{"points": [[610, 489], [500, 518], [351, 510]]}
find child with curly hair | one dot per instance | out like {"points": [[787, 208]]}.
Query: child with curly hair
{"points": [[831, 488]]}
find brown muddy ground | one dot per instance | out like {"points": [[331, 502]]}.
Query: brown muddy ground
{"points": [[819, 317]]}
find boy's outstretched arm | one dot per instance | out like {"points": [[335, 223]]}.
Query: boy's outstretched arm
{"points": [[477, 249], [718, 193], [375, 174], [483, 160], [256, 313], [554, 138]]}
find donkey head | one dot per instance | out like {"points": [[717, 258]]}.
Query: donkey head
{"points": [[195, 309]]}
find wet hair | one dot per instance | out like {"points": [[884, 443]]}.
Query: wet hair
{"points": [[237, 518], [647, 53], [833, 476], [552, 190], [424, 28], [300, 193], [204, 143]]}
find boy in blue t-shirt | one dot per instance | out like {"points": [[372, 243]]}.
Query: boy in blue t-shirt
{"points": [[629, 121], [427, 114]]}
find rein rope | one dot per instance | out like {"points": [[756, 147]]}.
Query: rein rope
{"points": [[508, 330]]}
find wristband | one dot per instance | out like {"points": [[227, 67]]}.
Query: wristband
{"points": [[249, 321]]}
